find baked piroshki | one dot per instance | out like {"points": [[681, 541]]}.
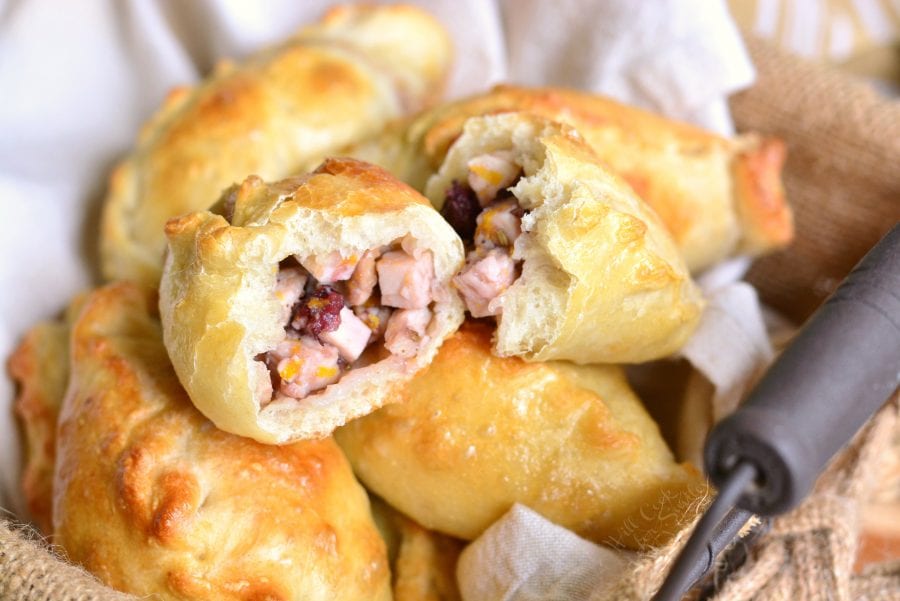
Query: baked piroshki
{"points": [[40, 368], [307, 301], [423, 562], [155, 500], [717, 196], [561, 253], [333, 83], [473, 433]]}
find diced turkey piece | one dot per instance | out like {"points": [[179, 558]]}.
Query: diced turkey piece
{"points": [[483, 280], [375, 317], [413, 247], [364, 278], [350, 338], [498, 225], [406, 331], [405, 280], [331, 267], [289, 285], [263, 383], [490, 173], [305, 365]]}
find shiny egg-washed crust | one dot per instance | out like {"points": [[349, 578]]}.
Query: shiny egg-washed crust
{"points": [[334, 83], [602, 281], [717, 196], [473, 434], [40, 368], [219, 310], [154, 500]]}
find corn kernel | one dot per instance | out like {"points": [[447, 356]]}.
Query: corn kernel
{"points": [[494, 178], [326, 372], [317, 303], [290, 369]]}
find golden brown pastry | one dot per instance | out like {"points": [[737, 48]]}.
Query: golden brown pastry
{"points": [[334, 83], [40, 367], [717, 196], [570, 262], [423, 562], [425, 569], [473, 433], [310, 301], [154, 500]]}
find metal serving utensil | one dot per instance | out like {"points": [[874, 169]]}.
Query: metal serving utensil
{"points": [[839, 370]]}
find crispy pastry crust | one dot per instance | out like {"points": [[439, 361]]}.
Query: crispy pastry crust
{"points": [[217, 298], [602, 281], [332, 84], [766, 218], [717, 196], [154, 500], [423, 562], [425, 569], [571, 442], [40, 367]]}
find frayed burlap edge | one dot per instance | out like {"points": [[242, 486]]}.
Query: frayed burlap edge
{"points": [[30, 571]]}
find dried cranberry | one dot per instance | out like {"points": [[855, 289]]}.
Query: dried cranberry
{"points": [[461, 209], [320, 311]]}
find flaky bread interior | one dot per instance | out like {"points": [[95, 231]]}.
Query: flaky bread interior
{"points": [[602, 281], [156, 501], [219, 311], [571, 442], [275, 113], [716, 196]]}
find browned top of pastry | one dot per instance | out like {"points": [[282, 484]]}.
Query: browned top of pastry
{"points": [[580, 109], [332, 84], [350, 187]]}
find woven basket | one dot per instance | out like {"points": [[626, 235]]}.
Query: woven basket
{"points": [[843, 179]]}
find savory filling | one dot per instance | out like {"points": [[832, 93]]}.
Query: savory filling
{"points": [[334, 307], [488, 218]]}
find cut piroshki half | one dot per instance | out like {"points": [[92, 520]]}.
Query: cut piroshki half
{"points": [[303, 303], [561, 252], [717, 196]]}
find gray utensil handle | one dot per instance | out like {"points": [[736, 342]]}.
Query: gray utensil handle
{"points": [[837, 372]]}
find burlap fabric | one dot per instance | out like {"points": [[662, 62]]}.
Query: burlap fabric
{"points": [[842, 174], [30, 570], [808, 554], [843, 178]]}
